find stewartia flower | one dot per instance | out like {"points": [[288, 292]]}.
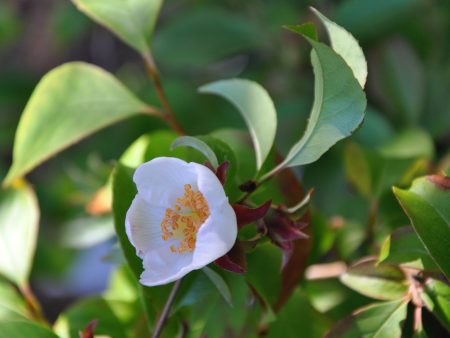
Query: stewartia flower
{"points": [[180, 219]]}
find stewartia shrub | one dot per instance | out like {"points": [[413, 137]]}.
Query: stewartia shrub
{"points": [[215, 234]]}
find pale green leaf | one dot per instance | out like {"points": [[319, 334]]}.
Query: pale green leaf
{"points": [[338, 107], [19, 221], [409, 143], [12, 305], [69, 103], [132, 20], [346, 46], [382, 320], [256, 107], [193, 142], [384, 282]]}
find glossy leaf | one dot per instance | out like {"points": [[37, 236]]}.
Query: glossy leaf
{"points": [[24, 329], [195, 143], [404, 247], [346, 46], [382, 320], [69, 103], [256, 107], [427, 204], [19, 222], [219, 283], [132, 20], [338, 107], [384, 282]]}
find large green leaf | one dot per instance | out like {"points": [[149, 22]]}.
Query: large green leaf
{"points": [[405, 248], [256, 107], [19, 221], [382, 320], [69, 103], [346, 46], [384, 282], [338, 108], [124, 191], [427, 204], [24, 329], [12, 306], [132, 20]]}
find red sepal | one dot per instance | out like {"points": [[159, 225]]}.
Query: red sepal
{"points": [[222, 172], [246, 215], [88, 331], [234, 260]]}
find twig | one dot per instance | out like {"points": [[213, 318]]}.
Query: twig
{"points": [[153, 73], [33, 305], [165, 313]]}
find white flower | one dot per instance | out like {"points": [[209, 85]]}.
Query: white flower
{"points": [[180, 219]]}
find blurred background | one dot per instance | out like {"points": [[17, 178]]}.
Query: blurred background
{"points": [[406, 43]]}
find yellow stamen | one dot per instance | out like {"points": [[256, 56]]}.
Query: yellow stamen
{"points": [[189, 213]]}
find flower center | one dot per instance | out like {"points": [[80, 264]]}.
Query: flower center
{"points": [[189, 213]]}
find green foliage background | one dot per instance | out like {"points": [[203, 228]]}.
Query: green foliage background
{"points": [[406, 134]]}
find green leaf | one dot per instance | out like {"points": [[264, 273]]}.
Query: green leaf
{"points": [[386, 15], [12, 306], [84, 232], [306, 29], [437, 300], [264, 265], [357, 168], [19, 222], [202, 35], [338, 108], [256, 107], [195, 143], [132, 20], [69, 103], [219, 283], [124, 191], [384, 282], [297, 318], [346, 46], [400, 82], [382, 320], [409, 143], [24, 329], [427, 204], [403, 247]]}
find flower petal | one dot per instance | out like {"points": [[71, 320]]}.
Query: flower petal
{"points": [[209, 185], [142, 225], [162, 266], [216, 236], [161, 181]]}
